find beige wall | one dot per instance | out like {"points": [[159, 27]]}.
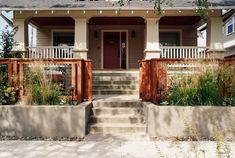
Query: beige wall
{"points": [[181, 121], [44, 37], [135, 45], [189, 33], [44, 121]]}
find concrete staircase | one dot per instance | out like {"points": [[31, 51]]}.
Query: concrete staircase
{"points": [[115, 82], [117, 117]]}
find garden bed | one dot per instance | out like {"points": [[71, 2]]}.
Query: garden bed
{"points": [[200, 122], [44, 121]]}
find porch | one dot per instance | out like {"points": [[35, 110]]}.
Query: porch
{"points": [[120, 42], [64, 52]]}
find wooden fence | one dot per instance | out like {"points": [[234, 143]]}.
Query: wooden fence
{"points": [[155, 73], [81, 75]]}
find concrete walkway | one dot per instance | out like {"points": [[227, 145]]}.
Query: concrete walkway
{"points": [[98, 146]]}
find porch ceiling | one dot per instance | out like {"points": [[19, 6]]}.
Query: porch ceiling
{"points": [[116, 21], [52, 21], [179, 20]]}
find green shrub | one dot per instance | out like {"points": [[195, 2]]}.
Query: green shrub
{"points": [[214, 86], [184, 92], [208, 89], [7, 96], [39, 88]]}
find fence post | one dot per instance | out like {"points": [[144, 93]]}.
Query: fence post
{"points": [[73, 84], [15, 75], [153, 80], [21, 79], [88, 80], [9, 73], [79, 80], [145, 80]]}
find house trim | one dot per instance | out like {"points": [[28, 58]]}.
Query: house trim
{"points": [[127, 48]]}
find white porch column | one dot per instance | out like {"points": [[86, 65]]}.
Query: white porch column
{"points": [[215, 40], [152, 38], [21, 35], [80, 43]]}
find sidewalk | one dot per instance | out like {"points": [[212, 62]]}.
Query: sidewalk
{"points": [[98, 146]]}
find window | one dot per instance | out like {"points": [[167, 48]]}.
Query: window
{"points": [[231, 26], [63, 38], [169, 38]]}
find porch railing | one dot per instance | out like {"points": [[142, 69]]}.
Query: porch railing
{"points": [[184, 52], [47, 52]]}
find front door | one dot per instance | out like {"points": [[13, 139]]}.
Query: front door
{"points": [[111, 50]]}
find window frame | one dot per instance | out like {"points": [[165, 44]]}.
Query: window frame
{"points": [[232, 20]]}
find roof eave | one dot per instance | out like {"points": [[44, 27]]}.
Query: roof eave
{"points": [[115, 8]]}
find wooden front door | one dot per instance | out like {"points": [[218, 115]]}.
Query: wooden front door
{"points": [[111, 50]]}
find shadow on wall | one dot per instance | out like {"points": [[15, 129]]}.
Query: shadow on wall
{"points": [[44, 121], [176, 121]]}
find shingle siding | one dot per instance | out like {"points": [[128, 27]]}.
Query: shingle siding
{"points": [[44, 37]]}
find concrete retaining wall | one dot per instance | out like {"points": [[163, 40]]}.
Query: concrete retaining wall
{"points": [[44, 121], [179, 121]]}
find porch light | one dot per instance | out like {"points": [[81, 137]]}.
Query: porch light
{"points": [[116, 12], [96, 34], [52, 12], [133, 34], [212, 11], [36, 12], [84, 12], [100, 11], [67, 11], [147, 11], [132, 12], [180, 11], [20, 12], [163, 11]]}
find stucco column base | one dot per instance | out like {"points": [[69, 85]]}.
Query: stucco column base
{"points": [[216, 54], [151, 54], [80, 54]]}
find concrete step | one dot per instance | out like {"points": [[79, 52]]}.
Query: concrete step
{"points": [[116, 128], [127, 82], [117, 87], [116, 73], [113, 92], [131, 119], [117, 111], [117, 104], [114, 78]]}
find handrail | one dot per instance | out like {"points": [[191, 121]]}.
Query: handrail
{"points": [[47, 52], [184, 52]]}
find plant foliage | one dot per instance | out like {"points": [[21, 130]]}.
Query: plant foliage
{"points": [[210, 87], [7, 42], [39, 88]]}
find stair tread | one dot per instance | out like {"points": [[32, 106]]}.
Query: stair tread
{"points": [[113, 125], [117, 116], [119, 108]]}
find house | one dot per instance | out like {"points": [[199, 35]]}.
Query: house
{"points": [[229, 36], [96, 29], [115, 38]]}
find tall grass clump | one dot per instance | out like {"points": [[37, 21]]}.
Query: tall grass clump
{"points": [[39, 87], [210, 85]]}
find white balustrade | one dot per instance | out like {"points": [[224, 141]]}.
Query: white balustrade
{"points": [[50, 52], [184, 52]]}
